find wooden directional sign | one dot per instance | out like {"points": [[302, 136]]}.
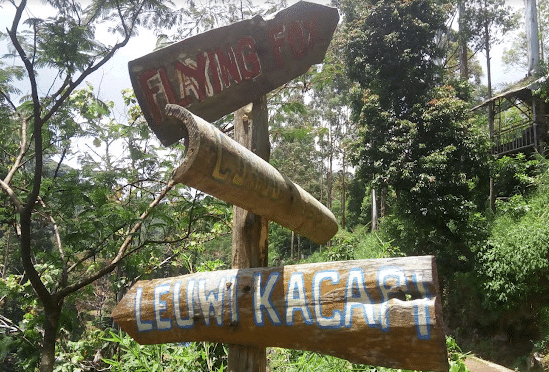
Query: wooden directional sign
{"points": [[380, 312], [219, 166], [219, 71]]}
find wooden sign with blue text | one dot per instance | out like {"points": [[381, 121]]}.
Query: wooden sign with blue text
{"points": [[380, 312], [219, 71]]}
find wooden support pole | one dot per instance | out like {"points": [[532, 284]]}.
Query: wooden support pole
{"points": [[250, 231], [491, 115]]}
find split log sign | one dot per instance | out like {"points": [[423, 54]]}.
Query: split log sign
{"points": [[380, 312], [218, 165], [219, 71]]}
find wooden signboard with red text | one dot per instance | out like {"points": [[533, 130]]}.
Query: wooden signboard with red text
{"points": [[219, 71], [380, 312]]}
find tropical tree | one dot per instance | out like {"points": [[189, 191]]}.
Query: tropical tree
{"points": [[413, 135], [484, 24], [436, 166], [392, 51], [516, 54], [88, 216]]}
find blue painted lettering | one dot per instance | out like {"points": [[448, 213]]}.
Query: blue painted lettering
{"points": [[261, 299], [211, 301], [160, 307], [336, 320], [296, 300], [356, 297], [385, 276], [142, 326], [181, 322], [219, 301], [421, 310]]}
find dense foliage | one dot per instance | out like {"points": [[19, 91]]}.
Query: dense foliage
{"points": [[514, 261], [392, 51], [88, 206]]}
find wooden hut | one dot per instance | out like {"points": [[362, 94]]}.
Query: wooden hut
{"points": [[519, 119]]}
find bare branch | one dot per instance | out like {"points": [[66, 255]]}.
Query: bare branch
{"points": [[92, 252], [37, 124], [171, 257], [14, 199], [61, 88], [22, 151], [93, 68], [59, 163], [121, 251], [18, 14], [58, 242], [122, 21], [12, 327], [8, 100]]}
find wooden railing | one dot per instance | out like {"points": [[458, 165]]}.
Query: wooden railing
{"points": [[515, 138]]}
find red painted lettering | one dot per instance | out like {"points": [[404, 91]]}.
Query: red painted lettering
{"points": [[297, 40], [192, 78], [248, 60], [312, 28], [276, 37], [216, 74], [228, 67], [158, 92]]}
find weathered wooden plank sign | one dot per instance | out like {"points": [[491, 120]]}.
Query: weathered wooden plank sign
{"points": [[381, 312], [219, 71], [221, 167]]}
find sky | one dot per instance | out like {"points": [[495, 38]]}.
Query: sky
{"points": [[501, 75], [113, 77]]}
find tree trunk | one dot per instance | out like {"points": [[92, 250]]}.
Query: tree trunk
{"points": [[329, 180], [6, 254], [491, 130], [490, 107], [119, 295], [292, 251], [250, 231], [383, 201], [343, 191], [488, 65], [374, 210], [532, 36], [463, 56], [330, 169], [51, 324], [52, 307]]}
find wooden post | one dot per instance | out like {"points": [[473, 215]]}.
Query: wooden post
{"points": [[250, 231], [492, 142], [374, 210]]}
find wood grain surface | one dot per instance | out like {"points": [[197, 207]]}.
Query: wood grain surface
{"points": [[221, 167], [250, 231], [382, 312], [219, 71]]}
